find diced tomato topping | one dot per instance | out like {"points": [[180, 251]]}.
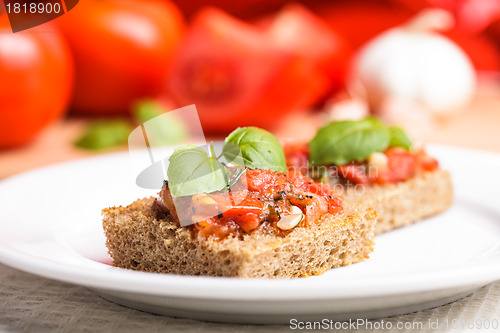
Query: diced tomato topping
{"points": [[248, 222], [269, 192], [246, 206], [383, 177], [316, 188], [402, 165], [426, 163], [297, 155], [215, 227], [258, 180], [298, 180], [354, 173]]}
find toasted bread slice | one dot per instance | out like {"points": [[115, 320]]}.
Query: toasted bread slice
{"points": [[406, 202], [141, 239]]}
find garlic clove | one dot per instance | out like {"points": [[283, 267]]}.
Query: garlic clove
{"points": [[291, 221], [378, 161], [295, 210], [203, 199], [414, 64]]}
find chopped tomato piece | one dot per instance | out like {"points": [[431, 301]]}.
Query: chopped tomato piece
{"points": [[258, 180], [298, 180], [383, 177], [426, 162], [297, 155], [215, 227], [354, 173], [307, 184], [248, 222], [401, 163], [241, 210], [316, 188]]}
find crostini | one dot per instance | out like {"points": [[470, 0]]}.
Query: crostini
{"points": [[276, 223], [375, 166]]}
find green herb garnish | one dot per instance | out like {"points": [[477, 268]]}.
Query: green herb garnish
{"points": [[399, 138], [105, 134], [259, 149], [163, 128], [192, 170], [342, 142]]}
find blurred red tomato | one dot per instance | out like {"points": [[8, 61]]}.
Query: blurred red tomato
{"points": [[492, 32], [36, 74], [297, 30], [471, 16], [236, 77], [481, 51], [241, 9], [122, 51], [360, 21]]}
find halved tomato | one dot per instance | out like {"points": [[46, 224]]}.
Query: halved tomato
{"points": [[359, 21], [234, 75], [297, 30]]}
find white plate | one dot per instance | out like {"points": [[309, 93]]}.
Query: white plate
{"points": [[50, 225]]}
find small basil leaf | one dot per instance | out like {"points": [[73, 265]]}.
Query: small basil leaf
{"points": [[191, 170], [259, 149], [399, 138], [105, 134], [166, 128], [342, 142]]}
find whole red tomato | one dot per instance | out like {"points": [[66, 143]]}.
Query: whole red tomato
{"points": [[122, 50], [36, 79]]}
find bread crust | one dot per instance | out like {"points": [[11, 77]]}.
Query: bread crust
{"points": [[139, 239], [407, 202]]}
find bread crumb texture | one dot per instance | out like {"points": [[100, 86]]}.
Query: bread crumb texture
{"points": [[407, 202], [138, 238]]}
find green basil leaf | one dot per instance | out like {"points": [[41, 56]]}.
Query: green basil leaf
{"points": [[342, 142], [399, 138], [105, 134], [259, 149], [192, 170], [165, 129]]}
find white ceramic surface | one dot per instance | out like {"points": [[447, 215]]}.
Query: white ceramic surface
{"points": [[50, 225]]}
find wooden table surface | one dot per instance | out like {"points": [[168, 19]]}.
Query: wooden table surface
{"points": [[478, 127]]}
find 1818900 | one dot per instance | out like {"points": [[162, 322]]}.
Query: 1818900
{"points": [[33, 8]]}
